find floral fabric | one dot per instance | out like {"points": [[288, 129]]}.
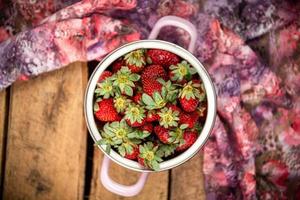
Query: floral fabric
{"points": [[254, 149]]}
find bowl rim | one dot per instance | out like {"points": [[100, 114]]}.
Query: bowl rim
{"points": [[181, 52]]}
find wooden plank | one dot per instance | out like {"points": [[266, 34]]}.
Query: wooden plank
{"points": [[2, 129], [46, 141], [188, 180], [156, 187]]}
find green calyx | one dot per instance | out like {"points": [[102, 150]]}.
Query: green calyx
{"points": [[168, 117], [119, 136], [182, 70], [139, 134], [105, 89], [176, 136], [157, 101], [121, 103], [124, 80], [165, 150], [115, 134], [136, 58], [135, 113], [149, 153], [169, 90], [190, 90]]}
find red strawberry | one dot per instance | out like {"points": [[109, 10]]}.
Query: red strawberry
{"points": [[152, 86], [189, 139], [162, 134], [135, 60], [152, 116], [135, 69], [147, 127], [106, 111], [162, 57], [171, 75], [188, 118], [189, 105], [136, 124], [154, 72], [105, 75], [149, 78], [141, 161], [134, 154], [138, 98], [190, 96], [117, 65]]}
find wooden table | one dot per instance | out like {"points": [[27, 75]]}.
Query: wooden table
{"points": [[47, 153]]}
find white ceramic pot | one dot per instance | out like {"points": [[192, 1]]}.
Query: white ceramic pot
{"points": [[151, 43]]}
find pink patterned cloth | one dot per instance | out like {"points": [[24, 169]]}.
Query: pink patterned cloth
{"points": [[254, 149]]}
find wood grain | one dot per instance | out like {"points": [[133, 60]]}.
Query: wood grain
{"points": [[188, 180], [2, 129], [46, 141], [156, 187]]}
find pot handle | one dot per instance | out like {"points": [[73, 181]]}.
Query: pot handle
{"points": [[123, 190], [177, 22]]}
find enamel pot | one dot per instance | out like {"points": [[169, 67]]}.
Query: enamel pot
{"points": [[151, 43]]}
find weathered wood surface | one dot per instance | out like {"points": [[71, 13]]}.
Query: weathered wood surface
{"points": [[188, 180], [156, 187], [46, 140], [46, 147], [2, 130]]}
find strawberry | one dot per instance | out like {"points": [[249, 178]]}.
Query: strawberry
{"points": [[149, 156], [125, 80], [152, 116], [138, 98], [147, 127], [141, 161], [153, 72], [189, 96], [115, 134], [117, 65], [121, 103], [133, 155], [181, 72], [168, 117], [105, 111], [162, 133], [105, 75], [135, 60], [151, 87], [189, 138], [162, 57], [188, 105], [135, 115], [149, 78], [189, 118]]}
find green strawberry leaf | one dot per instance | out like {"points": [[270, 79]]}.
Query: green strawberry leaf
{"points": [[183, 126], [128, 90], [147, 99], [122, 150]]}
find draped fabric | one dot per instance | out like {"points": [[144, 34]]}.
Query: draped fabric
{"points": [[251, 49]]}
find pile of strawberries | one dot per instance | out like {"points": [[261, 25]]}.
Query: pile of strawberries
{"points": [[150, 106]]}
